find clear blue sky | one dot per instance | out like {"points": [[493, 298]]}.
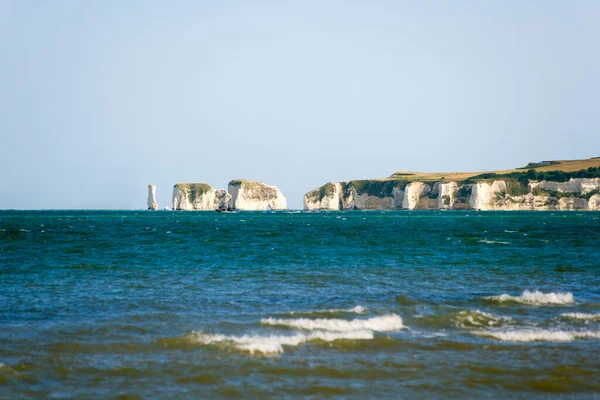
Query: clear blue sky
{"points": [[100, 98]]}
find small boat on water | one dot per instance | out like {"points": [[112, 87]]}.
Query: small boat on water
{"points": [[220, 210]]}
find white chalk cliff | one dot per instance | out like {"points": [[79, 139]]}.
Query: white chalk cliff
{"points": [[200, 196], [152, 204], [253, 195], [498, 194], [327, 197]]}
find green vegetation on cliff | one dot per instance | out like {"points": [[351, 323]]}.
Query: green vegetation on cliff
{"points": [[559, 195], [539, 164], [462, 194], [375, 187], [515, 187], [193, 190], [327, 190], [238, 182]]}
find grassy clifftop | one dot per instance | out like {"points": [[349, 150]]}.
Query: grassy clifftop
{"points": [[543, 166], [193, 189]]}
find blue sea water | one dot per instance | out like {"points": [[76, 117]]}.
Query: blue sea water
{"points": [[135, 304]]}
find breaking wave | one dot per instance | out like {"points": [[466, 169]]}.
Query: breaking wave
{"points": [[539, 335], [581, 316], [273, 344], [384, 323], [327, 330], [535, 298]]}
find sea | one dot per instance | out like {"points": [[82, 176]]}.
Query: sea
{"points": [[296, 304]]}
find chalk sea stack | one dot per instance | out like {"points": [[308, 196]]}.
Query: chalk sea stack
{"points": [[253, 195], [152, 204], [200, 196]]}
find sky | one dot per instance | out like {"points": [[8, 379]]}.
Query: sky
{"points": [[100, 98]]}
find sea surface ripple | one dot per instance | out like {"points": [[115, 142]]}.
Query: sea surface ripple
{"points": [[136, 304]]}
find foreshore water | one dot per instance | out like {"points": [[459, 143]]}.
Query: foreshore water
{"points": [[405, 304]]}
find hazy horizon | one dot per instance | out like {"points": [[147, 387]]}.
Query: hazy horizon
{"points": [[101, 99]]}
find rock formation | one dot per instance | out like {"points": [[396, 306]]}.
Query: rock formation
{"points": [[489, 194], [252, 195], [200, 196], [152, 204], [327, 197]]}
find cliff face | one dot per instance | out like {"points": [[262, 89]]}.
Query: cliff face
{"points": [[152, 204], [327, 197], [395, 194], [253, 195], [199, 196]]}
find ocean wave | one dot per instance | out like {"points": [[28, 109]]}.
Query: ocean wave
{"points": [[479, 318], [535, 298], [467, 319], [539, 335], [353, 310], [384, 323], [273, 344], [581, 316]]}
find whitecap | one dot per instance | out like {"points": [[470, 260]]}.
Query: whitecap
{"points": [[273, 344], [384, 323], [356, 310], [536, 298], [539, 335], [581, 316], [493, 241]]}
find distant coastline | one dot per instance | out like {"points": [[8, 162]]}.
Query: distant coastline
{"points": [[546, 185], [542, 186]]}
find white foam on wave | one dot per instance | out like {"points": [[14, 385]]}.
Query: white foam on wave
{"points": [[356, 310], [539, 335], [384, 323], [582, 316], [493, 241], [536, 298], [273, 344]]}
